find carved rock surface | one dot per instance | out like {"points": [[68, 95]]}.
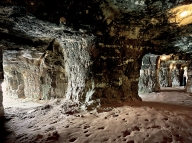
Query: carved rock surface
{"points": [[59, 62], [1, 81], [125, 30], [55, 62], [163, 75], [189, 81], [148, 81]]}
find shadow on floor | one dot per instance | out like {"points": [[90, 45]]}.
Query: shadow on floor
{"points": [[3, 131]]}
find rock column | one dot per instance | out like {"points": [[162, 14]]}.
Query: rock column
{"points": [[163, 75], [148, 81], [189, 80], [1, 81]]}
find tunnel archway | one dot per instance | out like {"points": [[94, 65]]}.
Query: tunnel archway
{"points": [[164, 73]]}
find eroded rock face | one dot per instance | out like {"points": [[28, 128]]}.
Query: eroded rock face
{"points": [[60, 62], [164, 75], [1, 81], [175, 77], [125, 30], [189, 81], [148, 81], [57, 63]]}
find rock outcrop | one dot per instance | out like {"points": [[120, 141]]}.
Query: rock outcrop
{"points": [[175, 77], [189, 81], [65, 63], [1, 81], [148, 80], [164, 75], [56, 63], [48, 61]]}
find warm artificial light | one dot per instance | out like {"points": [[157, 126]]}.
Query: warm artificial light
{"points": [[183, 14], [171, 67], [163, 57]]}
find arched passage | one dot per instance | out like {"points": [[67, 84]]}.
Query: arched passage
{"points": [[164, 75]]}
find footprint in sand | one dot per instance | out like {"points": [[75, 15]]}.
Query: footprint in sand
{"points": [[126, 133], [85, 131], [72, 139], [101, 128], [86, 127]]}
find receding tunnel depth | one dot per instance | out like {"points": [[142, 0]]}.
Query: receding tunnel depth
{"points": [[163, 72]]}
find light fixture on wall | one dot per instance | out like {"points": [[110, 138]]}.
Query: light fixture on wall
{"points": [[163, 57], [171, 66], [183, 14]]}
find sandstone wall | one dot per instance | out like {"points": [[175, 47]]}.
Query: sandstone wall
{"points": [[46, 61], [1, 80], [49, 61], [164, 75], [105, 68], [148, 80], [189, 80], [116, 71]]}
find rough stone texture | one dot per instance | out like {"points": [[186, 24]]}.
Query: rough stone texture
{"points": [[148, 80], [164, 75], [111, 77], [55, 63], [189, 81], [116, 71], [125, 30], [175, 77], [1, 80]]}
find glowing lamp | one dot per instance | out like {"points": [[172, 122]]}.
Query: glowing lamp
{"points": [[183, 14], [163, 57]]}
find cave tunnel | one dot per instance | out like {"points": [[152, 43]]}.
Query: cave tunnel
{"points": [[163, 73], [95, 71]]}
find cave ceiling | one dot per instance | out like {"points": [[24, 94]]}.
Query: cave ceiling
{"points": [[165, 24]]}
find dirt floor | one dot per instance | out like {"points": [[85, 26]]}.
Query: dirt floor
{"points": [[162, 117]]}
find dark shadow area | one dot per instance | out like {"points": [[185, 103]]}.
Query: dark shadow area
{"points": [[4, 132]]}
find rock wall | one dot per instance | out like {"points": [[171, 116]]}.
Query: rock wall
{"points": [[189, 80], [58, 72], [164, 75], [116, 71], [148, 80], [108, 70], [57, 61], [175, 77], [1, 81], [46, 61]]}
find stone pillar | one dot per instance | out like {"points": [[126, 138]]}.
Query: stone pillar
{"points": [[148, 81], [189, 80], [175, 77], [163, 75], [1, 81]]}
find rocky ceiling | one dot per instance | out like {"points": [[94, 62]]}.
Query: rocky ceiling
{"points": [[164, 24]]}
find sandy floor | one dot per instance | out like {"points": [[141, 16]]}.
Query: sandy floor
{"points": [[168, 120], [21, 103], [168, 95]]}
